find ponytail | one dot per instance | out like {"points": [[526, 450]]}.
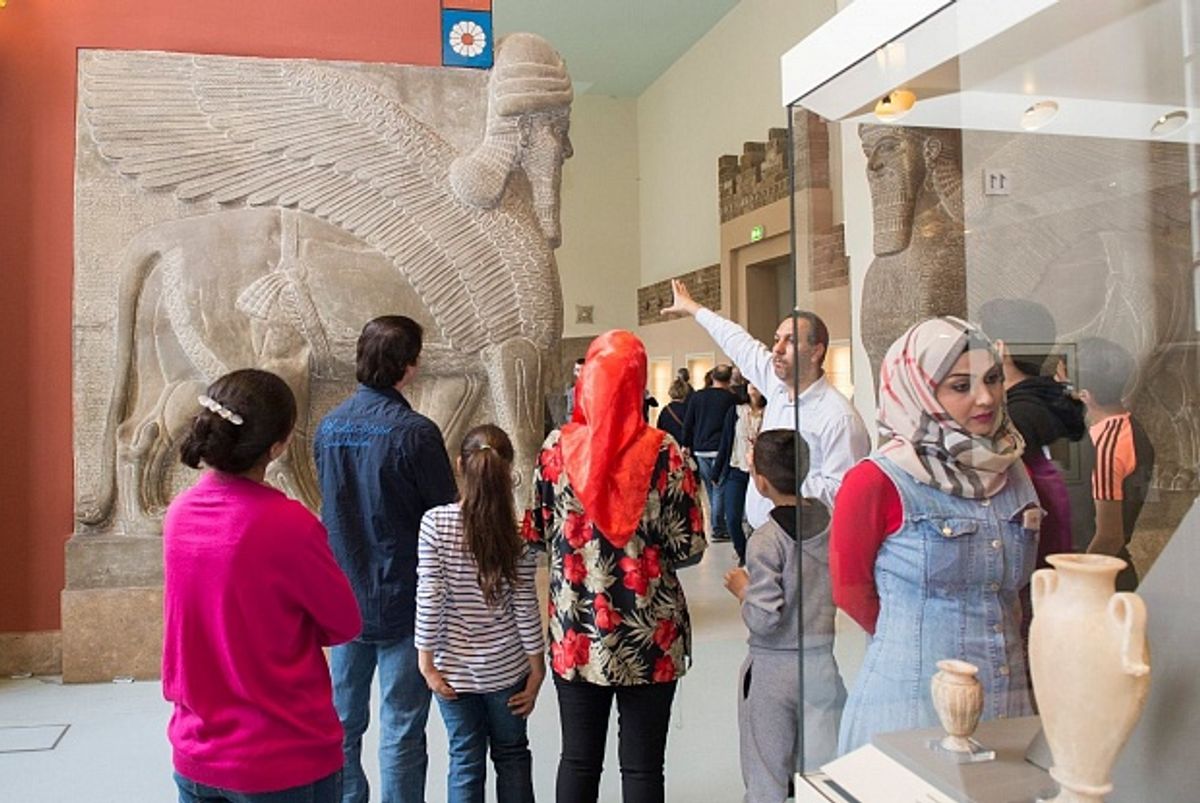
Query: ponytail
{"points": [[488, 514]]}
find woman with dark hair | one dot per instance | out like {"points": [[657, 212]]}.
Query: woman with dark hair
{"points": [[478, 628], [935, 535], [732, 467], [251, 593], [617, 507]]}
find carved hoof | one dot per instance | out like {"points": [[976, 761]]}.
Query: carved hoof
{"points": [[92, 512]]}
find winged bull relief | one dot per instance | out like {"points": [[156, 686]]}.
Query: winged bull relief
{"points": [[310, 200]]}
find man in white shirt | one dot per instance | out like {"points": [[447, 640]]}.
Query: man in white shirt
{"points": [[829, 424]]}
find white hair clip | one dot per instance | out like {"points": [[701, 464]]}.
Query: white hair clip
{"points": [[214, 406]]}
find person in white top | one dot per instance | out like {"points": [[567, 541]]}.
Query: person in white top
{"points": [[829, 424]]}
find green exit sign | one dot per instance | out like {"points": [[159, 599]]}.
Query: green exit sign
{"points": [[757, 233]]}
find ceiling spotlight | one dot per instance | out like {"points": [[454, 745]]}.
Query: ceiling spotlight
{"points": [[894, 105], [1039, 114], [1169, 123]]}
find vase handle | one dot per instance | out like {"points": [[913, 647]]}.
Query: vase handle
{"points": [[1128, 611], [1043, 582]]}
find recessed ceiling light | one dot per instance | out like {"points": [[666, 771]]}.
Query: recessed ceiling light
{"points": [[1039, 114], [894, 105], [1169, 123]]}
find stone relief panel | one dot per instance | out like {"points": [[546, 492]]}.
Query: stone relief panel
{"points": [[235, 212], [919, 269]]}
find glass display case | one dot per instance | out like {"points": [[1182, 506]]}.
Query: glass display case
{"points": [[1031, 170]]}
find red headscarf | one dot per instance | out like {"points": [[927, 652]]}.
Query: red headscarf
{"points": [[608, 449]]}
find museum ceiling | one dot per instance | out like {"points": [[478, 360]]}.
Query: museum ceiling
{"points": [[614, 47]]}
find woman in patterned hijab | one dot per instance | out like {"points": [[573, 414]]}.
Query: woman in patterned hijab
{"points": [[934, 536], [918, 427]]}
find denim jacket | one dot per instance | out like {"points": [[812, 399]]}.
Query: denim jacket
{"points": [[380, 465], [949, 582]]}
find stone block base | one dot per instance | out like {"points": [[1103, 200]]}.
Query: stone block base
{"points": [[37, 653], [111, 632]]}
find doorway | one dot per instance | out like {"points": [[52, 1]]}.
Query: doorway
{"points": [[768, 291]]}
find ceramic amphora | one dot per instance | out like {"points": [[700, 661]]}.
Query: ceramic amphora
{"points": [[1090, 666], [958, 700]]}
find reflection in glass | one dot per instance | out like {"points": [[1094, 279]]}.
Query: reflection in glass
{"points": [[1096, 232]]}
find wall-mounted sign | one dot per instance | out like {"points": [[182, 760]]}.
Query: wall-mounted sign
{"points": [[467, 33], [757, 233], [997, 181]]}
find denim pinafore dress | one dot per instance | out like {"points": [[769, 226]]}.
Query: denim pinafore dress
{"points": [[949, 585]]}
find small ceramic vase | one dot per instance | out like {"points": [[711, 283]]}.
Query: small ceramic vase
{"points": [[958, 700], [1091, 669]]}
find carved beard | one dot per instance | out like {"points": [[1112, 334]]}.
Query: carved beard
{"points": [[893, 197], [543, 167]]}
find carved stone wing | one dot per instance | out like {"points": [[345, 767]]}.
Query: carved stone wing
{"points": [[299, 134]]}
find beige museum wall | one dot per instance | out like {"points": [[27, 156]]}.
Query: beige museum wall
{"points": [[724, 91], [599, 260]]}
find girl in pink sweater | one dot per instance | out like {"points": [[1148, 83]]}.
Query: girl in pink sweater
{"points": [[251, 595]]}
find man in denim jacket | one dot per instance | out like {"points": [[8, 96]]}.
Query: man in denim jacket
{"points": [[381, 465]]}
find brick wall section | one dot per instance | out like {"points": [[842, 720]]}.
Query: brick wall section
{"points": [[760, 175], [830, 265], [704, 285]]}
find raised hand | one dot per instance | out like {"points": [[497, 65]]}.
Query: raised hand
{"points": [[683, 303]]}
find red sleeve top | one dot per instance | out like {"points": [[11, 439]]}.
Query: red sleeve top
{"points": [[866, 512]]}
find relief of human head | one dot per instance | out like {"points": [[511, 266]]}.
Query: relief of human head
{"points": [[529, 109], [900, 162]]}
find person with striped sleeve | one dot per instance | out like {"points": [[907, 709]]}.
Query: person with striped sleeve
{"points": [[478, 629], [1124, 454]]}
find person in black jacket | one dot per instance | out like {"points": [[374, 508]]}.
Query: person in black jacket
{"points": [[703, 424], [670, 418], [1043, 409]]}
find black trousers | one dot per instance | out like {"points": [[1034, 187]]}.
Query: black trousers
{"points": [[643, 714]]}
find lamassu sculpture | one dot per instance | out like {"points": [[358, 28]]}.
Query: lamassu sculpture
{"points": [[310, 199], [919, 270]]}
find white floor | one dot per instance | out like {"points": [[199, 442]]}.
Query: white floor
{"points": [[115, 750]]}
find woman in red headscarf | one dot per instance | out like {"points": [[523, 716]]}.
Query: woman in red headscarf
{"points": [[617, 508]]}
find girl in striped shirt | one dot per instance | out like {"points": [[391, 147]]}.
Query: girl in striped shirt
{"points": [[478, 630]]}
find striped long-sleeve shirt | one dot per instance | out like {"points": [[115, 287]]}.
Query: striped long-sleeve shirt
{"points": [[477, 648]]}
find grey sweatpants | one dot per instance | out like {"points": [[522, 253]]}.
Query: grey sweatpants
{"points": [[768, 718]]}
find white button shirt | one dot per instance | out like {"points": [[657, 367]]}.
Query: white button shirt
{"points": [[829, 423]]}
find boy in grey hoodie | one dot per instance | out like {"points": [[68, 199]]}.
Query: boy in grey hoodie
{"points": [[782, 563]]}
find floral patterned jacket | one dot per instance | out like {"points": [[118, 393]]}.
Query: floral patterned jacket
{"points": [[618, 616]]}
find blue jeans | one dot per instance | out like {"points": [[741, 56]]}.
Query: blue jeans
{"points": [[326, 790], [403, 710], [733, 497], [707, 466], [473, 722]]}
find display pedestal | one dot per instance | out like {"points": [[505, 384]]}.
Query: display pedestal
{"points": [[112, 608], [900, 768]]}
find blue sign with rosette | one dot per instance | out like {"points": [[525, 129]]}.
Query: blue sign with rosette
{"points": [[467, 38]]}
